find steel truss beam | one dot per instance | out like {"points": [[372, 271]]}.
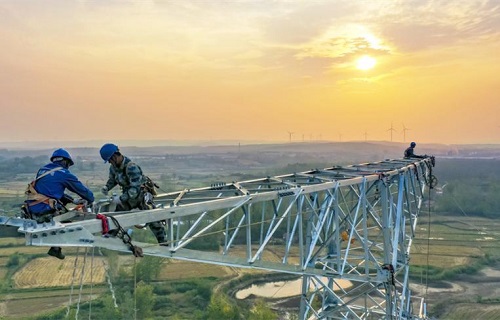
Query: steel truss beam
{"points": [[347, 231]]}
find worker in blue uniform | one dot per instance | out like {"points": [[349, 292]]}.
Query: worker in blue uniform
{"points": [[46, 195]]}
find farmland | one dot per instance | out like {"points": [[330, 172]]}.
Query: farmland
{"points": [[453, 279], [44, 284], [455, 254], [463, 268], [62, 273]]}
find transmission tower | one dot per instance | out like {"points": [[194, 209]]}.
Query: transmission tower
{"points": [[346, 231]]}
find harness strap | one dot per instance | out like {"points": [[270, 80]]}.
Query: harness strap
{"points": [[47, 172], [148, 185], [34, 196]]}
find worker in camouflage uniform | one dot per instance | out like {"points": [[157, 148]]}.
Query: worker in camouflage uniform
{"points": [[410, 152], [128, 175]]}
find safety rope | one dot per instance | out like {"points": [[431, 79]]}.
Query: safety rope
{"points": [[122, 234], [135, 288], [72, 283], [428, 243], [108, 279], [431, 185], [82, 273], [91, 282], [465, 215]]}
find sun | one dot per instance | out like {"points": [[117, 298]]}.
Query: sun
{"points": [[365, 63]]}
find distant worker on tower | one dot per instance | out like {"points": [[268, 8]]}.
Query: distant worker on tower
{"points": [[136, 188], [410, 152], [45, 197]]}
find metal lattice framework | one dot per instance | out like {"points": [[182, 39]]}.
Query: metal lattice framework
{"points": [[347, 231]]}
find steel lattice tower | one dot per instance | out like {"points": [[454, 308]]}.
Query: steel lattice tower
{"points": [[347, 231]]}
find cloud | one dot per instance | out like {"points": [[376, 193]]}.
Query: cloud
{"points": [[420, 25], [318, 36], [208, 57], [299, 22]]}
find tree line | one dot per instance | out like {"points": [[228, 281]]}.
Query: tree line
{"points": [[470, 186]]}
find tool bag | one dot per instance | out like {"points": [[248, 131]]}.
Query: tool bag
{"points": [[150, 186]]}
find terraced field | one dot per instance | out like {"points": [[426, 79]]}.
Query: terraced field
{"points": [[44, 283], [62, 273]]}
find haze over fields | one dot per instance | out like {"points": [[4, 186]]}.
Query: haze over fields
{"points": [[303, 152], [274, 71]]}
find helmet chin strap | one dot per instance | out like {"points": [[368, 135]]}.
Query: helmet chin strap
{"points": [[117, 160]]}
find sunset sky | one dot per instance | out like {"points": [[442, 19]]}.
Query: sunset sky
{"points": [[271, 70]]}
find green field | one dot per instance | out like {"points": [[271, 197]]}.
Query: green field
{"points": [[455, 257], [455, 240], [27, 301], [459, 246]]}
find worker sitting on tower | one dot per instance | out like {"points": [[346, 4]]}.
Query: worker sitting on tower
{"points": [[137, 192], [45, 197], [410, 152]]}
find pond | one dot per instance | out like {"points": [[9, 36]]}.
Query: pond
{"points": [[281, 289]]}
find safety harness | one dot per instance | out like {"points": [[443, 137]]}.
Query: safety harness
{"points": [[33, 197], [148, 185]]}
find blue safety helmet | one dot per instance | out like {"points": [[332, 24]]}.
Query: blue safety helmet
{"points": [[61, 154], [107, 151], [413, 144]]}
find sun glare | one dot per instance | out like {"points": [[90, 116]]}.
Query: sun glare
{"points": [[366, 63]]}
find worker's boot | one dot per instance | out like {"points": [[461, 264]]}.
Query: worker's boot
{"points": [[162, 242], [56, 252], [161, 239], [159, 232]]}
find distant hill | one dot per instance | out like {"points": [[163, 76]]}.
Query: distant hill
{"points": [[302, 151]]}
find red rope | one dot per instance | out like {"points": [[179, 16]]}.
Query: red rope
{"points": [[104, 221]]}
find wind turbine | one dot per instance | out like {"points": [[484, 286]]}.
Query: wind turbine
{"points": [[404, 132], [391, 129], [290, 135], [366, 136]]}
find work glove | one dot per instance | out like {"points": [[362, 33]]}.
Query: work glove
{"points": [[59, 207], [89, 206], [116, 200], [105, 190], [148, 198], [80, 201]]}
